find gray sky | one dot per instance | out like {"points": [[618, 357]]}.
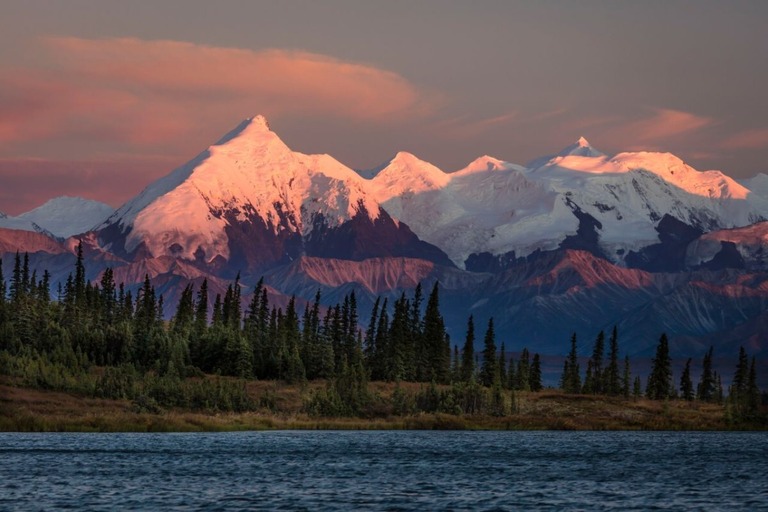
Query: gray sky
{"points": [[97, 98]]}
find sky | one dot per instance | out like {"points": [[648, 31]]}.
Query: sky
{"points": [[99, 98]]}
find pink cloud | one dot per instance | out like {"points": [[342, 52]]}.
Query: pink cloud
{"points": [[658, 130], [149, 93], [750, 139], [281, 80], [662, 125]]}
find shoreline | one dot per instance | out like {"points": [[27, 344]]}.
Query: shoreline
{"points": [[35, 410]]}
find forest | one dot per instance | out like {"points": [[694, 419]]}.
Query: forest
{"points": [[99, 340]]}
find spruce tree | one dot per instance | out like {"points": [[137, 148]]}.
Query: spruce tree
{"points": [[503, 365], [369, 345], [182, 321], [489, 370], [596, 384], [686, 385], [435, 363], [26, 282], [536, 373], [108, 295], [79, 277], [217, 317], [612, 382], [468, 352], [252, 330], [740, 377], [659, 382], [753, 392], [739, 393], [625, 388], [17, 287], [399, 359], [570, 380], [524, 371], [421, 353], [201, 310]]}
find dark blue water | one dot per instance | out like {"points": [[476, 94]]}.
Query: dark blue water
{"points": [[385, 471]]}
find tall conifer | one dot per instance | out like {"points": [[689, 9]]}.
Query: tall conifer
{"points": [[612, 382], [536, 384], [686, 384], [660, 381], [468, 352], [571, 377], [489, 370]]}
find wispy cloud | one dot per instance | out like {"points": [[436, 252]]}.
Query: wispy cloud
{"points": [[661, 125], [144, 93], [749, 139]]}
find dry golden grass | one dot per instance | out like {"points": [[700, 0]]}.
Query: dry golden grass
{"points": [[33, 410]]}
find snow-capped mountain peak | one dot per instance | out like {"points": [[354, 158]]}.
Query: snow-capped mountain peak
{"points": [[60, 217], [406, 175], [581, 147], [250, 175], [487, 163], [67, 216]]}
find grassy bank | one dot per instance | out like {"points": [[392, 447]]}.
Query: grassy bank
{"points": [[34, 410]]}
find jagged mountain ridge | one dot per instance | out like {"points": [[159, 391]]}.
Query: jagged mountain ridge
{"points": [[502, 209], [250, 193], [251, 201], [566, 231]]}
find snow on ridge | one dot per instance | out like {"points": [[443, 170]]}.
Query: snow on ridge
{"points": [[66, 216], [498, 207], [250, 171], [581, 147], [489, 205], [757, 184], [487, 163], [406, 174], [60, 217], [10, 222]]}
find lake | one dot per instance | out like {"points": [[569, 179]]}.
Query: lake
{"points": [[385, 470]]}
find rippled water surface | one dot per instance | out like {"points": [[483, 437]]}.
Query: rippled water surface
{"points": [[385, 471]]}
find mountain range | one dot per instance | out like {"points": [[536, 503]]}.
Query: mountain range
{"points": [[576, 241]]}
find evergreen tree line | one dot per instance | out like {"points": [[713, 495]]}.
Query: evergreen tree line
{"points": [[103, 324], [606, 376]]}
